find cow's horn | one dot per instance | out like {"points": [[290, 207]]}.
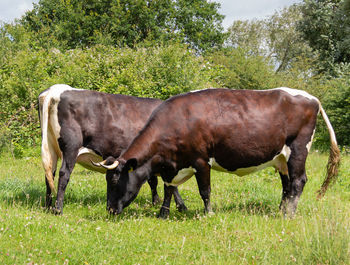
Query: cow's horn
{"points": [[95, 164], [103, 164]]}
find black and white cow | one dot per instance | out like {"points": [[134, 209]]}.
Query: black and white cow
{"points": [[83, 126], [238, 131]]}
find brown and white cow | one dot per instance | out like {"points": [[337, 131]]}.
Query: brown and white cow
{"points": [[238, 131], [81, 126]]}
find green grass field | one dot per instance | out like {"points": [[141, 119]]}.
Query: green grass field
{"points": [[247, 227]]}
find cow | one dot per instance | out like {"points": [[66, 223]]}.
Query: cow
{"points": [[237, 131], [82, 126]]}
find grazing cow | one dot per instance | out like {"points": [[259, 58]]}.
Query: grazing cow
{"points": [[82, 126], [238, 131]]}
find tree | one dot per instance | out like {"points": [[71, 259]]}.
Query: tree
{"points": [[326, 26], [249, 35], [237, 69], [276, 37], [82, 23]]}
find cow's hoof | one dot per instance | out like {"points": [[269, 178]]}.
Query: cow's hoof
{"points": [[181, 208], [57, 211], [163, 213], [210, 213], [155, 200]]}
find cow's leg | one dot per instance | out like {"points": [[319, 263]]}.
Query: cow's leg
{"points": [[48, 200], [165, 209], [294, 185], [180, 204], [153, 182], [70, 142], [285, 189], [203, 181], [68, 162]]}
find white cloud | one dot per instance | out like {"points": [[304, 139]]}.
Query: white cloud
{"points": [[11, 9], [249, 9]]}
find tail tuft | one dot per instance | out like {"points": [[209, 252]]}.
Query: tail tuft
{"points": [[333, 160], [332, 170]]}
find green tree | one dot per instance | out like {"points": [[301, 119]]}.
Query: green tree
{"points": [[338, 104], [249, 35], [326, 26], [82, 23], [276, 38], [159, 71], [237, 69]]}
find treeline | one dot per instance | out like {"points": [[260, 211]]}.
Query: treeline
{"points": [[163, 48]]}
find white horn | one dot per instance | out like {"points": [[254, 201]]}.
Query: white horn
{"points": [[102, 164], [97, 164]]}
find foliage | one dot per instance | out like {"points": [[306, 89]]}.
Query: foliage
{"points": [[276, 38], [76, 23], [259, 54], [247, 227], [326, 26], [237, 69], [248, 34], [156, 71], [336, 101]]}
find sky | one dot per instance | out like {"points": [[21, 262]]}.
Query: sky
{"points": [[250, 9], [232, 9]]}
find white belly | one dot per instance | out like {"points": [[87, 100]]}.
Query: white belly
{"points": [[85, 156], [279, 162], [182, 176]]}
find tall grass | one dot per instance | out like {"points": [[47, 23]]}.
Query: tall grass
{"points": [[247, 227]]}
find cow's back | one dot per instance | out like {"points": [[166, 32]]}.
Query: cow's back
{"points": [[233, 124], [108, 122]]}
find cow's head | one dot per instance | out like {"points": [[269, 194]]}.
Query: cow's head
{"points": [[123, 183]]}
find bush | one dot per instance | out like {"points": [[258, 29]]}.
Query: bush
{"points": [[336, 102], [235, 68], [160, 72], [148, 70]]}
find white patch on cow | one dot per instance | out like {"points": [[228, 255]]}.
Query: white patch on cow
{"points": [[198, 90], [50, 127], [286, 151], [88, 153], [308, 145], [182, 176], [296, 92], [279, 162], [54, 95], [214, 165], [85, 156]]}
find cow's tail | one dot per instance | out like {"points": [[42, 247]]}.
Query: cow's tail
{"points": [[48, 154], [334, 157]]}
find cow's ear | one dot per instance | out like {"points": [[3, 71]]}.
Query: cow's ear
{"points": [[130, 165]]}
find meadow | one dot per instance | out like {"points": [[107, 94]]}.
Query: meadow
{"points": [[247, 227]]}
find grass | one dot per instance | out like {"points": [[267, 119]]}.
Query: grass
{"points": [[247, 227]]}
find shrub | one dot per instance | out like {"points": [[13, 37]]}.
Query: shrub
{"points": [[160, 71], [235, 68], [336, 102]]}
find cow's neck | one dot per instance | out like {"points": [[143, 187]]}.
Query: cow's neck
{"points": [[142, 147]]}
